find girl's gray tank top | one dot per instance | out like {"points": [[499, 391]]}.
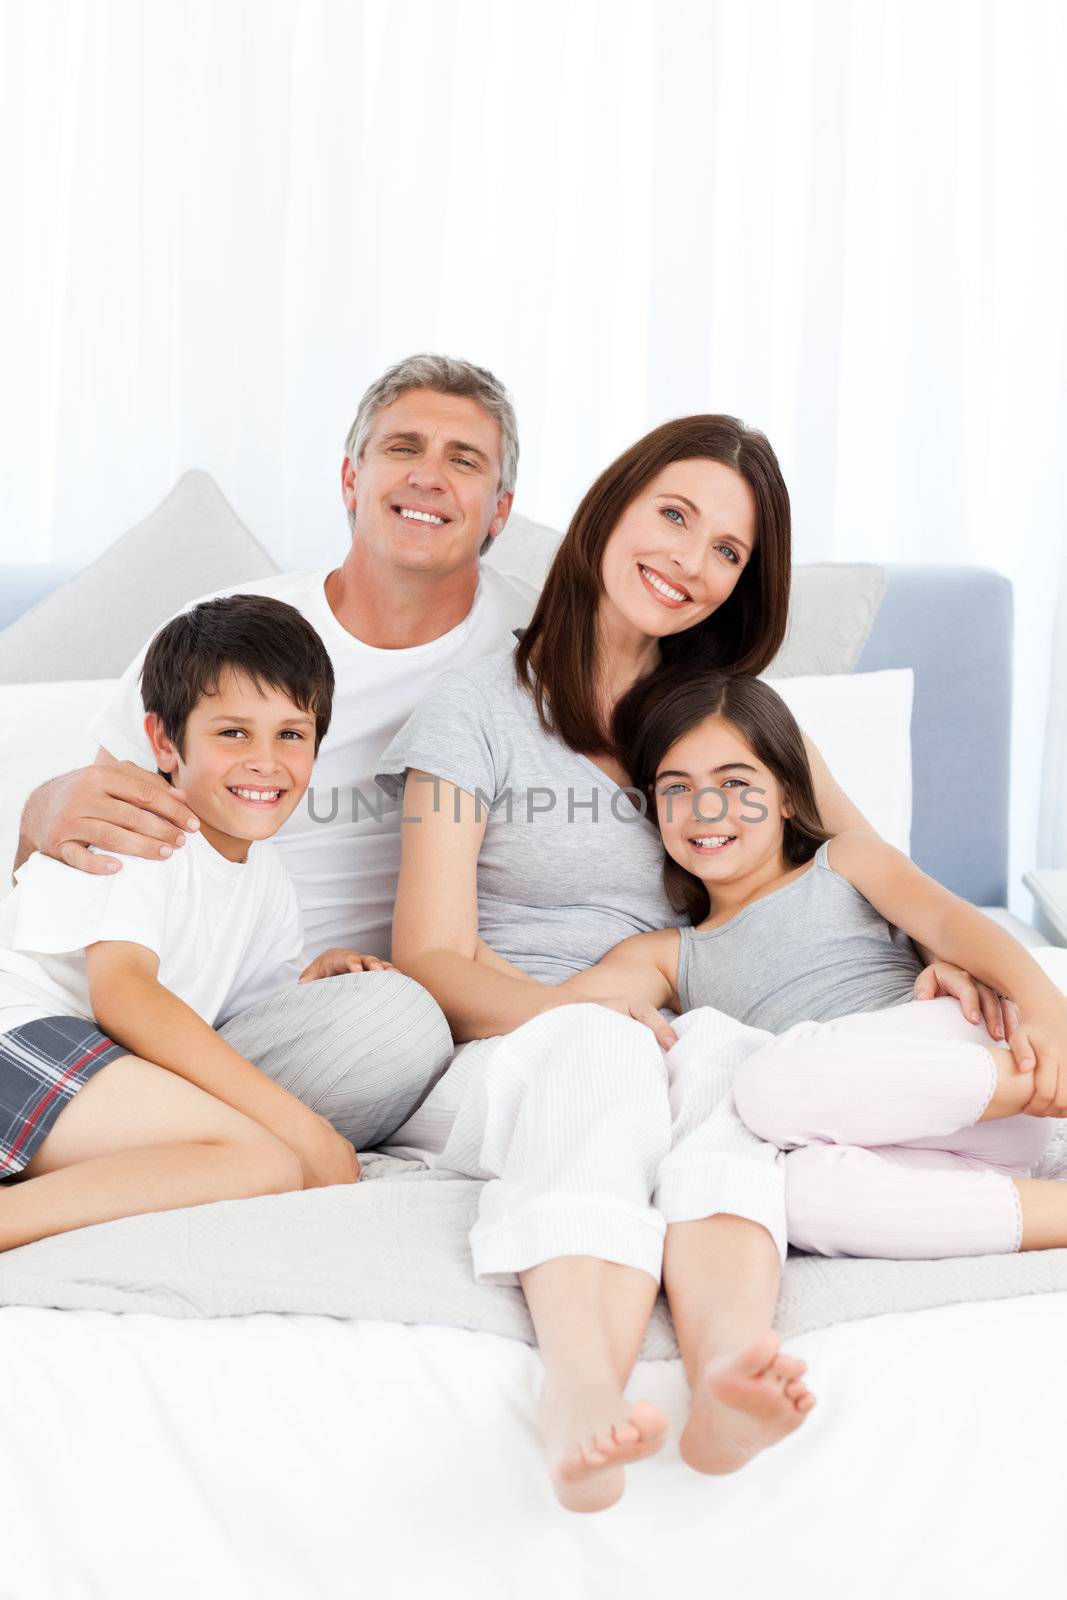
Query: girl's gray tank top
{"points": [[812, 950]]}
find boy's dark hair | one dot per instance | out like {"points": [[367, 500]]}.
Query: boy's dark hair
{"points": [[267, 640], [647, 726]]}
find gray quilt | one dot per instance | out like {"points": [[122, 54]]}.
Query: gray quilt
{"points": [[394, 1248]]}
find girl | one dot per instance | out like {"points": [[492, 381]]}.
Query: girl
{"points": [[911, 1132], [524, 861]]}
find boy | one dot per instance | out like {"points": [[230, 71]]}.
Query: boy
{"points": [[116, 1095]]}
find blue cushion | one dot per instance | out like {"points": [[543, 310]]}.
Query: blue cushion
{"points": [[953, 627], [22, 587]]}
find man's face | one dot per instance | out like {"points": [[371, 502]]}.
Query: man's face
{"points": [[427, 491]]}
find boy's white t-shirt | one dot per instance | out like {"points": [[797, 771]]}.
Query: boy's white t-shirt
{"points": [[227, 934], [342, 844]]}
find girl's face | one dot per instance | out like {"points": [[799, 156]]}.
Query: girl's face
{"points": [[720, 810], [678, 550]]}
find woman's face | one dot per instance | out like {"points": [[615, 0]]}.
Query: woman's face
{"points": [[678, 550], [720, 811]]}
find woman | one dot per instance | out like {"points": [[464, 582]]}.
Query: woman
{"points": [[524, 860]]}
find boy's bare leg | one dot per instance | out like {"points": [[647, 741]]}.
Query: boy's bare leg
{"points": [[590, 1318], [137, 1138], [721, 1277]]}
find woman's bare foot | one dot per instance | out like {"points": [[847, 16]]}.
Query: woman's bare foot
{"points": [[590, 1434], [741, 1404]]}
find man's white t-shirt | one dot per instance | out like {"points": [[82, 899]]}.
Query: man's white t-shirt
{"points": [[342, 844], [227, 933]]}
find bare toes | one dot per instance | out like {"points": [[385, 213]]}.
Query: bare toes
{"points": [[649, 1421]]}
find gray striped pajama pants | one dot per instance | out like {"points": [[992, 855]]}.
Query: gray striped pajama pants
{"points": [[363, 1049]]}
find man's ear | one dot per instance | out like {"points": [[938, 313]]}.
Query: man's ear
{"points": [[348, 483], [500, 516], [163, 749]]}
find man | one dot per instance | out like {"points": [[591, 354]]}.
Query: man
{"points": [[428, 479]]}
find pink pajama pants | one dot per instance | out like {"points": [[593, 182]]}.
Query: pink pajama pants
{"points": [[879, 1115]]}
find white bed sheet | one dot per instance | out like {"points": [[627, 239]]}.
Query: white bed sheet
{"points": [[312, 1459]]}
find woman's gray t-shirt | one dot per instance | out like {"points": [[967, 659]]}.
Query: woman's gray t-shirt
{"points": [[568, 866]]}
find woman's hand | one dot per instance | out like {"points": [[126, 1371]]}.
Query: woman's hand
{"points": [[325, 1155], [334, 963], [641, 1012], [978, 1002], [1039, 1045]]}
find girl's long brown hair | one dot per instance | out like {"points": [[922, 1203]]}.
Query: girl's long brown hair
{"points": [[675, 703], [557, 658]]}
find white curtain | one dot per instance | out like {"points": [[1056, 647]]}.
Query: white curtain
{"points": [[843, 221]]}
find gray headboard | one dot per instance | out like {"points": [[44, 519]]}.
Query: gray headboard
{"points": [[953, 627]]}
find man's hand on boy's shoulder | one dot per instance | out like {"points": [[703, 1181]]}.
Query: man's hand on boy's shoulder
{"points": [[115, 805], [336, 962]]}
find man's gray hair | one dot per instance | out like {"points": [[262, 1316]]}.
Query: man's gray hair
{"points": [[442, 375]]}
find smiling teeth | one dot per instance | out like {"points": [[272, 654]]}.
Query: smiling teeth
{"points": [[422, 516], [664, 588], [257, 794], [712, 841]]}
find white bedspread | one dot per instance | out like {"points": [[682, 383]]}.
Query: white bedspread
{"points": [[314, 1459]]}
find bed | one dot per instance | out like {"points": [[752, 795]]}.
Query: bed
{"points": [[314, 1456]]}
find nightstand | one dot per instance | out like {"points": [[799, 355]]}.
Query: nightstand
{"points": [[1049, 889]]}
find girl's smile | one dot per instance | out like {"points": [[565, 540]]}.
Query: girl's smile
{"points": [[721, 811]]}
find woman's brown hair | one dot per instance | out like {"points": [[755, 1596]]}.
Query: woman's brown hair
{"points": [[557, 657], [673, 705]]}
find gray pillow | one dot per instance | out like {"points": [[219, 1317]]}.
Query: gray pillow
{"points": [[831, 613], [94, 625]]}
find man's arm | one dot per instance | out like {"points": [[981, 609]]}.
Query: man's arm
{"points": [[115, 805]]}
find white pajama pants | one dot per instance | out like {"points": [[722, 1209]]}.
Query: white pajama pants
{"points": [[593, 1139], [886, 1156]]}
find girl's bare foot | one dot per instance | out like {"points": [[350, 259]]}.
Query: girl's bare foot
{"points": [[590, 1434], [741, 1404]]}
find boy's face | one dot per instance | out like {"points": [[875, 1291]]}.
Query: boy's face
{"points": [[248, 753]]}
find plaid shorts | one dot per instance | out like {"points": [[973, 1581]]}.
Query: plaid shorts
{"points": [[42, 1066]]}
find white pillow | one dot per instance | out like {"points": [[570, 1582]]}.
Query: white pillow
{"points": [[525, 549], [860, 722], [44, 734], [93, 625]]}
